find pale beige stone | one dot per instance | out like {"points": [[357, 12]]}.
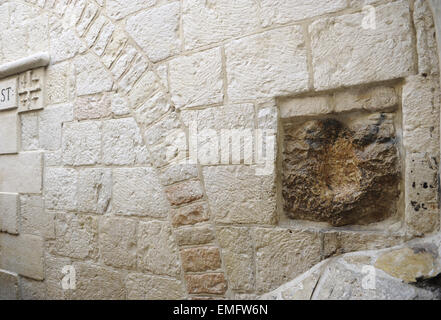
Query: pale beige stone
{"points": [[178, 173], [157, 249], [32, 289], [29, 131], [197, 79], [54, 275], [9, 204], [195, 235], [91, 76], [143, 90], [269, 64], [370, 99], [51, 120], [251, 198], [283, 254], [21, 173], [346, 53], [137, 192], [8, 285], [60, 188], [157, 31], [153, 109], [94, 190], [118, 9], [22, 254], [209, 283], [9, 133], [92, 107], [114, 47], [200, 259], [214, 21], [34, 219], [57, 90], [76, 235], [118, 242], [145, 287], [81, 143], [309, 106]]}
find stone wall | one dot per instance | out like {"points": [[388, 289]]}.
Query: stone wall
{"points": [[158, 155]]}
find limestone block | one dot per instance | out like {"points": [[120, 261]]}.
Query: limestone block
{"points": [[51, 120], [177, 173], [21, 173], [283, 254], [284, 11], [9, 134], [86, 18], [103, 38], [9, 204], [94, 190], [118, 242], [82, 143], [422, 139], [189, 215], [119, 105], [269, 64], [214, 21], [31, 85], [426, 38], [201, 259], [8, 285], [32, 289], [93, 107], [157, 249], [60, 188], [421, 195], [22, 254], [309, 106], [145, 287], [122, 142], [195, 235], [129, 80], [370, 99], [34, 219], [29, 131], [137, 191], [153, 109], [65, 44], [76, 235], [94, 30], [91, 76], [123, 61], [197, 79], [97, 283], [157, 31], [143, 90], [238, 256], [421, 104], [251, 198], [57, 80], [184, 192], [347, 53], [118, 9], [114, 47], [210, 283], [54, 275]]}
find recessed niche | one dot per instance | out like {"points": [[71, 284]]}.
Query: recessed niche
{"points": [[341, 169]]}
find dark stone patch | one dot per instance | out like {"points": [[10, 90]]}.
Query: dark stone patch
{"points": [[341, 173]]}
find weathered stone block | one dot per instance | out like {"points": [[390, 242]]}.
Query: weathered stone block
{"points": [[94, 190], [8, 286], [153, 109], [210, 22], [201, 259], [184, 192], [137, 191], [118, 241], [251, 198], [82, 143], [34, 219], [194, 235], [76, 235], [211, 283], [345, 53], [269, 64], [144, 287], [32, 289], [370, 99], [22, 254], [177, 173], [60, 188], [283, 254], [9, 133], [29, 131], [118, 9], [157, 31], [143, 90], [51, 120], [30, 91], [341, 173], [91, 76], [157, 249], [309, 106], [21, 173], [92, 107], [197, 79], [9, 204], [189, 215], [58, 82]]}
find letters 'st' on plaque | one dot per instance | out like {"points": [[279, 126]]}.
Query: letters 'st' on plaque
{"points": [[8, 93]]}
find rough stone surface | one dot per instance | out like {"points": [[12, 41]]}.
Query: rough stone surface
{"points": [[370, 99], [309, 106], [94, 190], [341, 173], [34, 219], [10, 129], [251, 198], [157, 249], [118, 9], [8, 286], [283, 254], [92, 107], [29, 131], [184, 192], [81, 143], [9, 208], [270, 64], [157, 31], [211, 283], [60, 188], [51, 121], [144, 287], [118, 242], [344, 53], [201, 259], [195, 235], [197, 79], [189, 215], [91, 75], [137, 191]]}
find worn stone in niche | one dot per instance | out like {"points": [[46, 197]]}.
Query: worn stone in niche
{"points": [[341, 172], [30, 90]]}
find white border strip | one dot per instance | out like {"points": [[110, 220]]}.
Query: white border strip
{"points": [[41, 59]]}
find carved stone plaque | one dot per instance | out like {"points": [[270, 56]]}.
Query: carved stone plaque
{"points": [[8, 94], [30, 90]]}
